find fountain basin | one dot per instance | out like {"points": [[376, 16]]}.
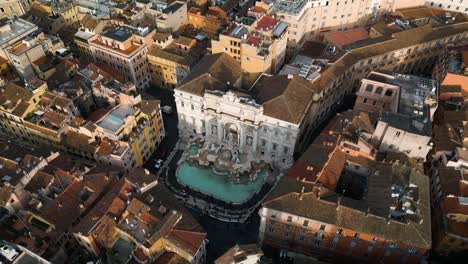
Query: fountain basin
{"points": [[205, 180]]}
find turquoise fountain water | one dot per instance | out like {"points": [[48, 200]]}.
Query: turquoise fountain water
{"points": [[218, 186]]}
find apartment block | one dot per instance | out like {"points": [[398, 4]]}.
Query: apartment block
{"points": [[106, 87], [14, 8], [407, 128], [140, 127], [211, 22], [35, 46], [396, 49], [64, 9], [447, 163], [312, 19], [337, 203], [259, 44], [169, 18], [448, 5], [12, 31], [171, 64], [33, 115], [121, 48], [137, 222]]}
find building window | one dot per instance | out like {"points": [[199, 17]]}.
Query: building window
{"points": [[322, 227], [249, 140], [356, 235], [393, 245], [364, 101], [271, 230], [306, 223], [398, 133], [379, 90], [290, 219], [388, 93], [273, 216], [369, 88]]}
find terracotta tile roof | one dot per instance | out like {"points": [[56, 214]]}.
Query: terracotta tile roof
{"points": [[65, 209], [170, 258], [105, 205], [284, 97], [148, 106], [254, 41], [212, 73], [455, 79], [13, 94], [19, 49], [97, 115], [258, 9], [79, 141], [190, 240], [266, 23], [5, 193], [352, 214], [342, 38], [3, 60], [140, 178], [105, 233], [39, 181], [238, 253]]}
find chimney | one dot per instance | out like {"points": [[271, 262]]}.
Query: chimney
{"points": [[316, 190], [302, 193]]}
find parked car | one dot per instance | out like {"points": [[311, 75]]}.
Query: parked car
{"points": [[159, 163], [167, 109]]}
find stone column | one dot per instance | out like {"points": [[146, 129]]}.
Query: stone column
{"points": [[220, 132], [242, 137], [255, 139]]}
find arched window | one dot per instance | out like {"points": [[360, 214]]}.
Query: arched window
{"points": [[379, 90]]}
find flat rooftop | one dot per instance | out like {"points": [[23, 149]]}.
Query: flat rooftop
{"points": [[10, 29], [173, 8], [343, 38], [118, 34], [236, 31], [116, 118]]}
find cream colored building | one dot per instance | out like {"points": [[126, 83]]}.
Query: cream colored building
{"points": [[13, 31], [33, 115], [311, 19], [169, 18], [265, 120], [122, 48], [29, 50], [449, 5], [170, 64], [14, 8], [259, 45]]}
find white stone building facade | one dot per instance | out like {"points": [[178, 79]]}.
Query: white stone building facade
{"points": [[236, 121]]}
